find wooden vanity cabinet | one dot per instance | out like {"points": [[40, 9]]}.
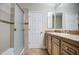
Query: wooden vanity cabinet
{"points": [[55, 46], [61, 46], [46, 40], [69, 49], [49, 44]]}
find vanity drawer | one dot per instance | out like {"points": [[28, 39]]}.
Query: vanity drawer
{"points": [[56, 41], [70, 49]]}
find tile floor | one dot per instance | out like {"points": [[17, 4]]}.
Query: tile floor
{"points": [[34, 51]]}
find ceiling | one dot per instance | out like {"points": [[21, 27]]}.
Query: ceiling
{"points": [[38, 6]]}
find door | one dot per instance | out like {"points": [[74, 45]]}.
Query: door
{"points": [[18, 30], [37, 25]]}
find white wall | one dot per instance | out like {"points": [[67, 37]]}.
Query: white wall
{"points": [[70, 15], [4, 27], [26, 17], [4, 37], [5, 9]]}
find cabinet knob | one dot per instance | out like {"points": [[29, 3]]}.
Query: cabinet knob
{"points": [[66, 48]]}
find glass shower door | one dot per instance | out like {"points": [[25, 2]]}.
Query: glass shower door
{"points": [[18, 30]]}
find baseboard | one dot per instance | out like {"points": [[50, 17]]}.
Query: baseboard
{"points": [[22, 51]]}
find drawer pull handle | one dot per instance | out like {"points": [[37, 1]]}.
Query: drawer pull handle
{"points": [[66, 48]]}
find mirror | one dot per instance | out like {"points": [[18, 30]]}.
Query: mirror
{"points": [[65, 16], [54, 21], [50, 20], [58, 22]]}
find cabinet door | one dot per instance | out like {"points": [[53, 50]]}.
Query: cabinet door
{"points": [[55, 46], [49, 45], [64, 53], [45, 38], [68, 49], [55, 49]]}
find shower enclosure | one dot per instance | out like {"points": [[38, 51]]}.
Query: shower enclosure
{"points": [[18, 29]]}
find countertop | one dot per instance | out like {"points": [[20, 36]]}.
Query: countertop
{"points": [[69, 36]]}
